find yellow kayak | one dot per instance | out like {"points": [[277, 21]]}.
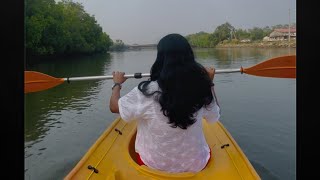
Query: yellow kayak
{"points": [[113, 157]]}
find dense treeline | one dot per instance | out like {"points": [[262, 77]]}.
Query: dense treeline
{"points": [[226, 32], [118, 45], [62, 28]]}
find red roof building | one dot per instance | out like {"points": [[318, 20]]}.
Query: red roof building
{"points": [[292, 30], [283, 34]]}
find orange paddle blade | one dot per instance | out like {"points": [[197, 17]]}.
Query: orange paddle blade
{"points": [[35, 81], [279, 67]]}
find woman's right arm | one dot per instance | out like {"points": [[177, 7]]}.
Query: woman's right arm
{"points": [[118, 78], [212, 112]]}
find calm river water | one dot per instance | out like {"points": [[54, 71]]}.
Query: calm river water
{"points": [[63, 122]]}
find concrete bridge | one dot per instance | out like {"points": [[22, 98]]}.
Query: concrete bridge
{"points": [[142, 46]]}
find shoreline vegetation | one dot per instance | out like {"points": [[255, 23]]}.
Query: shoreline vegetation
{"points": [[259, 44], [64, 29], [226, 35], [225, 44]]}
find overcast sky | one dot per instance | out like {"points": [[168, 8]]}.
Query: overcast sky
{"points": [[146, 21]]}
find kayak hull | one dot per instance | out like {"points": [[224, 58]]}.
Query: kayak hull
{"points": [[113, 157]]}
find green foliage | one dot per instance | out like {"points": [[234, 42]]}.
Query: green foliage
{"points": [[203, 39], [118, 46], [280, 26], [223, 32], [226, 33], [200, 39], [62, 28], [256, 34], [242, 34]]}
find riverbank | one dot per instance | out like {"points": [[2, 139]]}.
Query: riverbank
{"points": [[260, 44]]}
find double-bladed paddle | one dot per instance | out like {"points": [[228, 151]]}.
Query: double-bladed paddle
{"points": [[279, 67]]}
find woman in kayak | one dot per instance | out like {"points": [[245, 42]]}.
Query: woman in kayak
{"points": [[169, 108]]}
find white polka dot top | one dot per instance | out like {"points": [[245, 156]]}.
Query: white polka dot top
{"points": [[160, 146]]}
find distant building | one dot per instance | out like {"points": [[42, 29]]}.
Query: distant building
{"points": [[282, 34]]}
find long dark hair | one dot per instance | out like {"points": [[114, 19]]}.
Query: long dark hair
{"points": [[185, 84]]}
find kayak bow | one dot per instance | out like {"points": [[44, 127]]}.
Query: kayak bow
{"points": [[113, 157]]}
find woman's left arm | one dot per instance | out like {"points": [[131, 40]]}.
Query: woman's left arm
{"points": [[118, 79]]}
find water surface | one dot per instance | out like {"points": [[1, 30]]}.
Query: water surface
{"points": [[63, 122]]}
